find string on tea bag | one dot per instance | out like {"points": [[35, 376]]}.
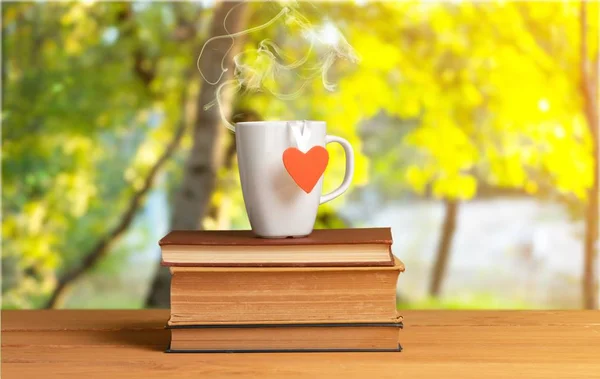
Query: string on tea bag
{"points": [[301, 135]]}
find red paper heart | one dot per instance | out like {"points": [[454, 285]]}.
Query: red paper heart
{"points": [[306, 168]]}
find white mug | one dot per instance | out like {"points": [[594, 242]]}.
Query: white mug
{"points": [[277, 207]]}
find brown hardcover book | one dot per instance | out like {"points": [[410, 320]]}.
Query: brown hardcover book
{"points": [[327, 247], [241, 295], [285, 338]]}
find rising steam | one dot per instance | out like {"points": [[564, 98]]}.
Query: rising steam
{"points": [[264, 68]]}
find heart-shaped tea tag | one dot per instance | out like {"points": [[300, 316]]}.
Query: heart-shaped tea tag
{"points": [[306, 168]]}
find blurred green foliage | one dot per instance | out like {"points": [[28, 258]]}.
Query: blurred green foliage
{"points": [[91, 92], [449, 96]]}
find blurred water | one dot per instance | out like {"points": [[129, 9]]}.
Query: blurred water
{"points": [[516, 250]]}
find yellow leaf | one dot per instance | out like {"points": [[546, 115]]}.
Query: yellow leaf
{"points": [[417, 179]]}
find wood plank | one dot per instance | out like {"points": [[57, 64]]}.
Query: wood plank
{"points": [[575, 336], [501, 318], [157, 318], [427, 361], [70, 319], [440, 344], [98, 337]]}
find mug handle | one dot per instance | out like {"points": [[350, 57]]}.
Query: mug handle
{"points": [[349, 169]]}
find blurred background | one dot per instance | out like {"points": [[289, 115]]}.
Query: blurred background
{"points": [[475, 126]]}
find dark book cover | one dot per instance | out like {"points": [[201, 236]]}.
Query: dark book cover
{"points": [[354, 236], [398, 325], [339, 239]]}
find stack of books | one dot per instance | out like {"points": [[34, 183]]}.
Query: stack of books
{"points": [[334, 290]]}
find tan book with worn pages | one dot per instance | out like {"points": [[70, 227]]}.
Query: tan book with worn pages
{"points": [[271, 295]]}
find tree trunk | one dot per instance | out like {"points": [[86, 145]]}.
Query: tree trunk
{"points": [[206, 155], [219, 213], [444, 246], [589, 89]]}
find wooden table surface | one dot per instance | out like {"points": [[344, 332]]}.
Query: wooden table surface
{"points": [[437, 344]]}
